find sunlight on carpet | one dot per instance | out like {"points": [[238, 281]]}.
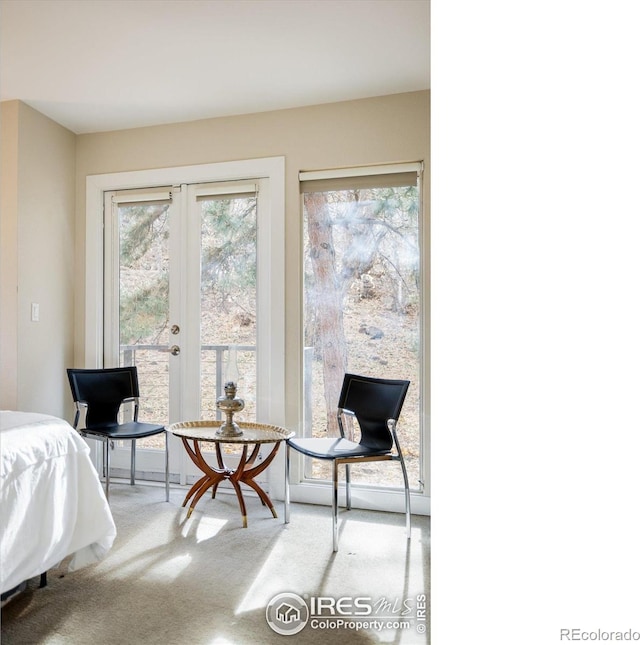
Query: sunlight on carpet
{"points": [[359, 540], [205, 527], [267, 583], [167, 570]]}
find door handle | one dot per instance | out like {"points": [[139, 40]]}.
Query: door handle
{"points": [[174, 349]]}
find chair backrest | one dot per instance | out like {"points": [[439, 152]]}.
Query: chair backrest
{"points": [[373, 401], [103, 390]]}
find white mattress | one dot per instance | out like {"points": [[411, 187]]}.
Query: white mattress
{"points": [[51, 500]]}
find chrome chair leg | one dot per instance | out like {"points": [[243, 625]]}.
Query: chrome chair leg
{"points": [[335, 505], [407, 498], [166, 465], [348, 485], [108, 448], [286, 483], [133, 462]]}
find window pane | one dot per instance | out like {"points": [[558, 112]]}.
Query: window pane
{"points": [[144, 307], [361, 311], [228, 299]]}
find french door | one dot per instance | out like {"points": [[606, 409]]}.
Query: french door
{"points": [[188, 284]]}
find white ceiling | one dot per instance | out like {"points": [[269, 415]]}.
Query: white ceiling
{"points": [[98, 65]]}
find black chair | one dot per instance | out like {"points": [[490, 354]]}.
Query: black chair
{"points": [[375, 404], [102, 392]]}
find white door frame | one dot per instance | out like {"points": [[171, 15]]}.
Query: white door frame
{"points": [[271, 269]]}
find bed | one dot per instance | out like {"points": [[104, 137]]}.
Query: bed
{"points": [[52, 505]]}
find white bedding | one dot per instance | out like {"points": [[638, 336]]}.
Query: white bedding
{"points": [[51, 500]]}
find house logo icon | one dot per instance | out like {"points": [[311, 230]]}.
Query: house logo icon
{"points": [[287, 614]]}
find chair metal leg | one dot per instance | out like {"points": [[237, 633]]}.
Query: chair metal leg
{"points": [[335, 505], [407, 497], [348, 485], [107, 469], [166, 465], [133, 462], [286, 483]]}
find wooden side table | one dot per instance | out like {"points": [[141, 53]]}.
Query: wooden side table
{"points": [[193, 433]]}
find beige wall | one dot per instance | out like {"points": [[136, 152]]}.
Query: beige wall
{"points": [[369, 131], [8, 254], [46, 169], [38, 235]]}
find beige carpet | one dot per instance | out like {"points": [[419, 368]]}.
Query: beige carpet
{"points": [[208, 581]]}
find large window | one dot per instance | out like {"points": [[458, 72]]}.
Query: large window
{"points": [[362, 304]]}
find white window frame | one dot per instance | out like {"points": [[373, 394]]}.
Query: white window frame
{"points": [[369, 496]]}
